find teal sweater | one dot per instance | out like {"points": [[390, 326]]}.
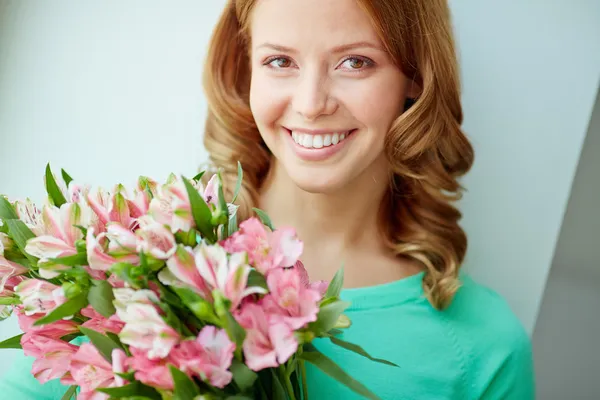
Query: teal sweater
{"points": [[475, 349]]}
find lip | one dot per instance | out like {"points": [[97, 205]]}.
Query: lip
{"points": [[317, 131], [316, 154]]}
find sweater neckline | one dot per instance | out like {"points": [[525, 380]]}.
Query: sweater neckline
{"points": [[386, 294]]}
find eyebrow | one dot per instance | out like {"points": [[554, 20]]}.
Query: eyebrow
{"points": [[338, 49]]}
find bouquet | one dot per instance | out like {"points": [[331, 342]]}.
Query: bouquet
{"points": [[157, 293]]}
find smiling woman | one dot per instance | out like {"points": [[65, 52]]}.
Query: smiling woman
{"points": [[346, 116]]}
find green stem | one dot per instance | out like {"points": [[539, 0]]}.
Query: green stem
{"points": [[263, 393], [287, 382], [304, 385]]}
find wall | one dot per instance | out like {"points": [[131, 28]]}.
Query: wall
{"points": [[566, 334]]}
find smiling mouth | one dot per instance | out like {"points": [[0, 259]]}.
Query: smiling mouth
{"points": [[310, 141]]}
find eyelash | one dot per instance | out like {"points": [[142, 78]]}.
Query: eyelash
{"points": [[368, 62]]}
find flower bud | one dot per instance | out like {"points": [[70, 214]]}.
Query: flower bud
{"points": [[71, 289], [342, 322]]}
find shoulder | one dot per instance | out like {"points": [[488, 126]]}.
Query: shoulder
{"points": [[491, 340], [479, 309]]}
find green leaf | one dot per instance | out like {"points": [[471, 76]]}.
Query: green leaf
{"points": [[115, 338], [174, 321], [221, 196], [169, 297], [75, 260], [9, 301], [20, 233], [66, 177], [239, 397], [101, 298], [200, 211], [12, 343], [69, 393], [243, 376], [56, 195], [71, 307], [233, 225], [132, 389], [264, 218], [185, 388], [328, 316], [198, 176], [238, 184], [358, 350], [255, 278], [236, 333], [103, 344], [335, 286], [278, 390], [7, 211], [329, 367]]}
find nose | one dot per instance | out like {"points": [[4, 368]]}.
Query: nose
{"points": [[312, 98]]}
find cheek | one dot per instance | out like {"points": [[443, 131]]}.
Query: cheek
{"points": [[377, 103], [267, 102]]}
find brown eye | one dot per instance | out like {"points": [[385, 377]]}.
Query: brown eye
{"points": [[280, 62], [356, 63]]}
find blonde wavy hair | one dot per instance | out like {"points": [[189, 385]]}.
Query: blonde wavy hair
{"points": [[425, 146]]}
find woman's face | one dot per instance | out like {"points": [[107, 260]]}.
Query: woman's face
{"points": [[324, 92]]}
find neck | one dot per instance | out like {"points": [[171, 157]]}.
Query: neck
{"points": [[333, 226]]}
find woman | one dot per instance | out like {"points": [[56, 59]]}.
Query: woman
{"points": [[345, 115]]}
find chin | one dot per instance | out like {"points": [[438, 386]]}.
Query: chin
{"points": [[318, 179]]}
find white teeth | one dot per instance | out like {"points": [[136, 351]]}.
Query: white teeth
{"points": [[318, 141], [307, 141]]}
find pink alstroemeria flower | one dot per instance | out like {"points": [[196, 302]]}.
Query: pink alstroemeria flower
{"points": [[266, 250], [100, 323], [319, 286], [28, 212], [228, 274], [171, 207], [122, 240], [53, 357], [61, 235], [144, 327], [209, 356], [98, 252], [182, 271], [153, 373], [39, 296], [296, 304], [112, 208], [269, 342], [90, 371], [6, 242], [209, 268], [155, 239], [9, 270], [53, 330], [171, 204]]}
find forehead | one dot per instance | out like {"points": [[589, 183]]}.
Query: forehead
{"points": [[310, 23]]}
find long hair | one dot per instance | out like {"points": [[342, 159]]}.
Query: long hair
{"points": [[425, 147]]}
